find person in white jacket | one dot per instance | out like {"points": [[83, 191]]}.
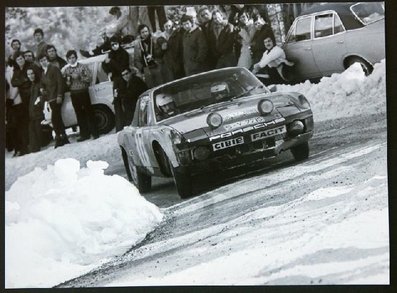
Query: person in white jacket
{"points": [[271, 63]]}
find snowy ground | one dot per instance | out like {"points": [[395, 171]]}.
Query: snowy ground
{"points": [[77, 217]]}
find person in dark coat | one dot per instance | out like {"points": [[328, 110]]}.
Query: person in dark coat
{"points": [[147, 57], [128, 89], [116, 60], [195, 47], [16, 48], [78, 78], [52, 90], [221, 38], [29, 56], [170, 42], [41, 45], [54, 58], [263, 31], [21, 81], [36, 104]]}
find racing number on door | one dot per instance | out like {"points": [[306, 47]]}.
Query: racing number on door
{"points": [[143, 155]]}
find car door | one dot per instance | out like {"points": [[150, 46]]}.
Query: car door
{"points": [[298, 48], [328, 43]]}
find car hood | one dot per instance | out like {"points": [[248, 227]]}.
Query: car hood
{"points": [[235, 114]]}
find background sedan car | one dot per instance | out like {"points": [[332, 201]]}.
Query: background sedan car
{"points": [[328, 38], [211, 121]]}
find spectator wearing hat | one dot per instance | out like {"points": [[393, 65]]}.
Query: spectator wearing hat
{"points": [[147, 56], [195, 47], [78, 78]]}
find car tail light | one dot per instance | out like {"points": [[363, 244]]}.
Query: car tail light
{"points": [[265, 107], [214, 120], [295, 128], [201, 153]]}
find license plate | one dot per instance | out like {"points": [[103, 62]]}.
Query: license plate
{"points": [[268, 133], [227, 143]]}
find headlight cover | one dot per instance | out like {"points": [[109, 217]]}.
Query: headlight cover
{"points": [[214, 120], [265, 107]]}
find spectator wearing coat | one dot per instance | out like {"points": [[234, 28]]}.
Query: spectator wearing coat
{"points": [[263, 31], [54, 58], [170, 42], [52, 90], [41, 45], [206, 24], [128, 89], [245, 34], [21, 81], [148, 57], [36, 104], [16, 48], [116, 60], [221, 40], [29, 56], [195, 47], [78, 78]]}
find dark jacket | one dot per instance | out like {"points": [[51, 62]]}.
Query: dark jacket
{"points": [[172, 56], [21, 81], [58, 61], [195, 49], [52, 83], [139, 52], [130, 90], [221, 48], [35, 111], [119, 60], [257, 45]]}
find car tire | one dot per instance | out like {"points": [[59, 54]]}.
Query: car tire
{"points": [[183, 183], [367, 68], [300, 152], [104, 118], [142, 181]]}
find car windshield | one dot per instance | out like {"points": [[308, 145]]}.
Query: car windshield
{"points": [[369, 12], [203, 90]]}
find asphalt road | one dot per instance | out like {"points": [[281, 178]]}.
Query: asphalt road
{"points": [[198, 230]]}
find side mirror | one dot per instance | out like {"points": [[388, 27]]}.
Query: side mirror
{"points": [[273, 88]]}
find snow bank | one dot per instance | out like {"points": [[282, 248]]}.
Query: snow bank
{"points": [[63, 221], [347, 94]]}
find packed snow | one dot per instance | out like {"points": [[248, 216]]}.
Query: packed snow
{"points": [[65, 216]]}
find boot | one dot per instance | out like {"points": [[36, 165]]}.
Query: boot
{"points": [[65, 139], [58, 141]]}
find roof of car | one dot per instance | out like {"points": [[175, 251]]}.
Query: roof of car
{"points": [[348, 19]]}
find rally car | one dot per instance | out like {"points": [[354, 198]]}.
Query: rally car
{"points": [[214, 120]]}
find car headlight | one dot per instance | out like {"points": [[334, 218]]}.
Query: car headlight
{"points": [[265, 107], [201, 153], [176, 137], [214, 120]]}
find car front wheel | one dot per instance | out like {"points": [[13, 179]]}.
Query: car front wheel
{"points": [[141, 180], [183, 182], [300, 152], [104, 118]]}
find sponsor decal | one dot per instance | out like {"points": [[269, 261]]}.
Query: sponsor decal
{"points": [[268, 133], [227, 143], [248, 128]]}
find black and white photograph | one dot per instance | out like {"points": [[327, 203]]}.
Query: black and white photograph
{"points": [[196, 144]]}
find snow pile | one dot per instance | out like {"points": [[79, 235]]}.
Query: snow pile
{"points": [[63, 221], [347, 94]]}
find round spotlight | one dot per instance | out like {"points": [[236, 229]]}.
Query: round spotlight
{"points": [[265, 107], [201, 153], [214, 120]]}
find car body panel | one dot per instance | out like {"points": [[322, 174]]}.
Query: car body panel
{"points": [[350, 37]]}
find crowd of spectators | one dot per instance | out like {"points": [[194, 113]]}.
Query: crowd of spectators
{"points": [[207, 40]]}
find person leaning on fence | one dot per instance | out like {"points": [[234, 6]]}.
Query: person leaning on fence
{"points": [[147, 57], [270, 69], [52, 90], [127, 90], [78, 78]]}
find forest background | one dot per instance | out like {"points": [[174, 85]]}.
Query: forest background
{"points": [[79, 27]]}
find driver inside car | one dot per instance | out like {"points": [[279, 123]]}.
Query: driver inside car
{"points": [[220, 91], [166, 106]]}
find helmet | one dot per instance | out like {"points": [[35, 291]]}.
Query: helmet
{"points": [[165, 104], [220, 90]]}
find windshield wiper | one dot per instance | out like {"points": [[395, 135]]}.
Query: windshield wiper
{"points": [[245, 93]]}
